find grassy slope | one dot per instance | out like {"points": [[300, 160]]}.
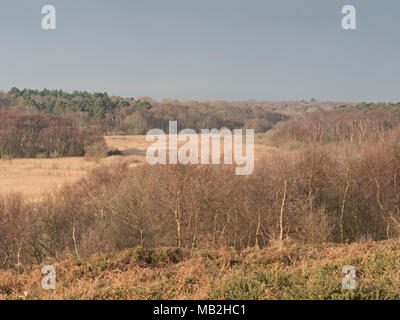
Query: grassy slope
{"points": [[296, 272]]}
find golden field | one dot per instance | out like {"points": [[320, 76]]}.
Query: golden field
{"points": [[33, 177]]}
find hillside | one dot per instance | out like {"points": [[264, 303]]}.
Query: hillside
{"points": [[297, 272]]}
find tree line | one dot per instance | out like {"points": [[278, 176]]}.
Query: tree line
{"points": [[354, 124], [43, 136], [116, 115]]}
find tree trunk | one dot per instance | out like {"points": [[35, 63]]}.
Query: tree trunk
{"points": [[281, 215], [343, 203]]}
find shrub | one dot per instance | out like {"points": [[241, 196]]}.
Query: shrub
{"points": [[96, 150], [115, 152]]}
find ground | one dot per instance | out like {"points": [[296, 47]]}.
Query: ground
{"points": [[298, 271]]}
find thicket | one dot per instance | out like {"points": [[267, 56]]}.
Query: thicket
{"points": [[43, 136], [352, 124]]}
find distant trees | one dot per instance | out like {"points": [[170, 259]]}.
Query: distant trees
{"points": [[57, 101], [4, 100], [116, 115], [140, 120], [345, 124], [43, 136]]}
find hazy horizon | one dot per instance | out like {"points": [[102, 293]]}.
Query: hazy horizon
{"points": [[307, 100]]}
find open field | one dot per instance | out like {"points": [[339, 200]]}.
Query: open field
{"points": [[32, 177]]}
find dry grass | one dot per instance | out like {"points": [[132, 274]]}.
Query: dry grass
{"points": [[33, 177], [296, 272]]}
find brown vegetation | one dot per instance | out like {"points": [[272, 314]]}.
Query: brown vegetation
{"points": [[317, 195], [340, 186], [41, 136], [295, 272]]}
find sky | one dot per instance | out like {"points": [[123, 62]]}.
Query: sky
{"points": [[267, 50]]}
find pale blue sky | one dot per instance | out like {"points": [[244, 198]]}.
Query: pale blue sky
{"points": [[205, 49]]}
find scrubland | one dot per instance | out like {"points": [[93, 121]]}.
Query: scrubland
{"points": [[324, 193], [297, 271]]}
